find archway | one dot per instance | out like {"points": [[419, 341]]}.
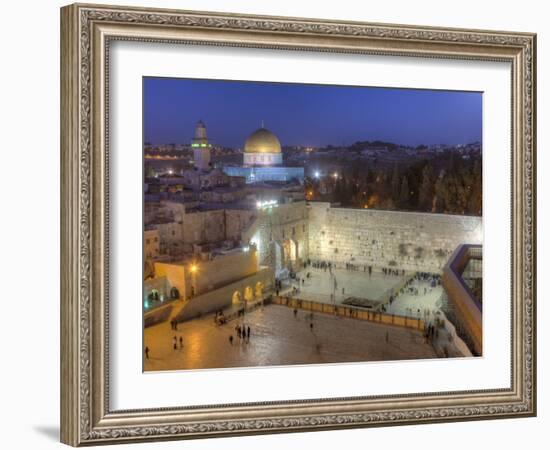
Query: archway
{"points": [[174, 293], [248, 294], [293, 250], [236, 298], [259, 289], [289, 248]]}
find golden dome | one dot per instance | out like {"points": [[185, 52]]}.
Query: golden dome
{"points": [[262, 141]]}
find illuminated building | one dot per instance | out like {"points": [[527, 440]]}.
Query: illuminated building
{"points": [[262, 160]]}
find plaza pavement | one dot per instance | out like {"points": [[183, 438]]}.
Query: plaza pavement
{"points": [[358, 283], [279, 338]]}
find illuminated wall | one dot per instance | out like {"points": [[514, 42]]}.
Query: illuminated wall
{"points": [[207, 275], [222, 297], [403, 240], [258, 174], [279, 224]]}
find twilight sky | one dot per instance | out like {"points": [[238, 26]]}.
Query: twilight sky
{"points": [[301, 114]]}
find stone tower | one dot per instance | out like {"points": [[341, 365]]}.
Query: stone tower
{"points": [[201, 147]]}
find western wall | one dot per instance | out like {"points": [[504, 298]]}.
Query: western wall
{"points": [[402, 240]]}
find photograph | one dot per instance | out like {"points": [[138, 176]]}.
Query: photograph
{"points": [[278, 221], [298, 224]]}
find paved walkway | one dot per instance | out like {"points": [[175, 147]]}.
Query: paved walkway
{"points": [[320, 285], [424, 305], [407, 304], [279, 338]]}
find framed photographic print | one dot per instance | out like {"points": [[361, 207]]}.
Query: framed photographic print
{"points": [[275, 225]]}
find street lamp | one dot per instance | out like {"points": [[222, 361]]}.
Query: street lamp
{"points": [[193, 269]]}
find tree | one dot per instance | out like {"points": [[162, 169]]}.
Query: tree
{"points": [[404, 195], [395, 183], [426, 193], [475, 200]]}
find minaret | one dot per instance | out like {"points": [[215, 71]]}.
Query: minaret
{"points": [[201, 147]]}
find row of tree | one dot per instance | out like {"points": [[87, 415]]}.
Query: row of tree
{"points": [[444, 184]]}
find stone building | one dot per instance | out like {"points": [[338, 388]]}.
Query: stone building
{"points": [[263, 159], [151, 244], [232, 277], [281, 234]]}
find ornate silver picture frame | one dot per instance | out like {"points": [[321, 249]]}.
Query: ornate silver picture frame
{"points": [[87, 32]]}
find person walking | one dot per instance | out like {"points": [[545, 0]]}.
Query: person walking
{"points": [[311, 327], [231, 339], [181, 342], [175, 341], [248, 332], [295, 312], [146, 352]]}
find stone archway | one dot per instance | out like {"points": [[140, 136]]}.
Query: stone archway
{"points": [[289, 247], [259, 288], [248, 294], [153, 295], [293, 245], [174, 293], [236, 298]]}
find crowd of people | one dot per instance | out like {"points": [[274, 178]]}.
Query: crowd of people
{"points": [[393, 272], [411, 286]]}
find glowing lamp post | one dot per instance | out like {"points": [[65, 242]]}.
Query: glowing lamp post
{"points": [[193, 269]]}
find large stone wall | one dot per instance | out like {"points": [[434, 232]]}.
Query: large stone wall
{"points": [[403, 240]]}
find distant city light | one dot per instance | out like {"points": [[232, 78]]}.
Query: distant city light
{"points": [[335, 175], [193, 268], [170, 172], [316, 174], [246, 248]]}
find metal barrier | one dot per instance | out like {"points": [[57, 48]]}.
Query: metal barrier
{"points": [[350, 312]]}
